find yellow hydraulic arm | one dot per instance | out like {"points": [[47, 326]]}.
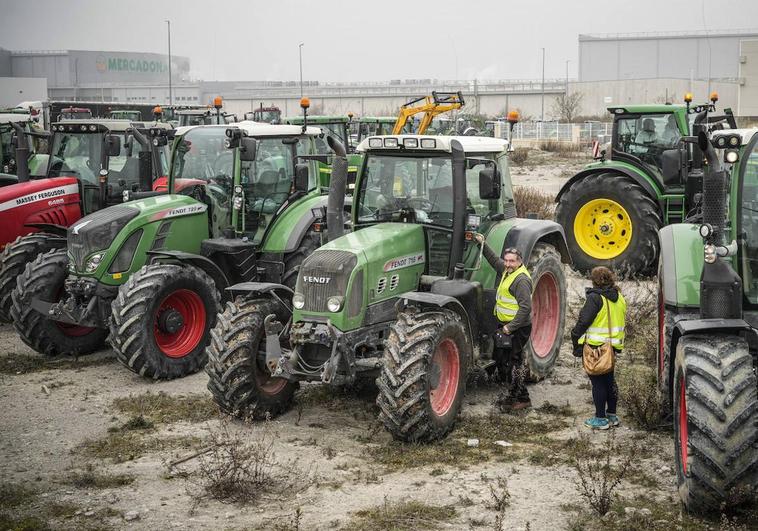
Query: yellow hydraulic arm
{"points": [[437, 103]]}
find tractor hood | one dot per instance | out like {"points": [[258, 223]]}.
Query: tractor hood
{"points": [[365, 267]]}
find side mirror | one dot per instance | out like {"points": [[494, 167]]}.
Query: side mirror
{"points": [[489, 183], [672, 166], [302, 175], [248, 149], [113, 145]]}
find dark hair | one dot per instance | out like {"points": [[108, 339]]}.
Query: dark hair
{"points": [[602, 277], [513, 250]]}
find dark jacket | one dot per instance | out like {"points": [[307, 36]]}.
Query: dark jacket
{"points": [[592, 305], [521, 290]]}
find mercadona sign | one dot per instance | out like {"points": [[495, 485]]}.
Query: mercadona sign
{"points": [[119, 64]]}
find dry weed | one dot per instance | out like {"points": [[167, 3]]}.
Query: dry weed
{"points": [[534, 203], [519, 155], [638, 392]]}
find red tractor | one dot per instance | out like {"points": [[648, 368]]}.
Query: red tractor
{"points": [[92, 164]]}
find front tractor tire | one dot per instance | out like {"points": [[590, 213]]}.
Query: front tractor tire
{"points": [[549, 301], [44, 279], [610, 220], [238, 378], [715, 421], [423, 379], [161, 320], [13, 260]]}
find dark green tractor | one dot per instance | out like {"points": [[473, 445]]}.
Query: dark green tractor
{"points": [[708, 319], [647, 178], [405, 299], [152, 273]]}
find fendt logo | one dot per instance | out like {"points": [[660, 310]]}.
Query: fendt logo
{"points": [[317, 280]]}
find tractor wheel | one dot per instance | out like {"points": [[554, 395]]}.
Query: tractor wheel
{"points": [[161, 320], [44, 278], [311, 242], [549, 301], [609, 220], [13, 260], [715, 421], [423, 379], [667, 321], [238, 377]]}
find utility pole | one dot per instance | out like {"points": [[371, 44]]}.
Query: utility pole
{"points": [[170, 92], [300, 50], [567, 77], [542, 111]]}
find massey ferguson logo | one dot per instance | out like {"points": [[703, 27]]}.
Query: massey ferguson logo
{"points": [[316, 280]]}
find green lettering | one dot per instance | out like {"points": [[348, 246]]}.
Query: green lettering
{"points": [[112, 63], [131, 64]]}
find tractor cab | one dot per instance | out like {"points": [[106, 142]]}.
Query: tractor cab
{"points": [[74, 113], [107, 157], [336, 126], [8, 164], [374, 126], [244, 173], [125, 114], [203, 117], [266, 115]]}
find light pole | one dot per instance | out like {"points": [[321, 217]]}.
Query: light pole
{"points": [[542, 86], [170, 92], [567, 76], [300, 50]]}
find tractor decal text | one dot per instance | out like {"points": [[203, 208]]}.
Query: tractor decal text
{"points": [[404, 261], [181, 211], [316, 280], [39, 196]]}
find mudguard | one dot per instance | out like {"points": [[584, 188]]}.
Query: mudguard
{"points": [[525, 233], [681, 265], [272, 289], [51, 228], [610, 167], [699, 326], [424, 298], [201, 262]]}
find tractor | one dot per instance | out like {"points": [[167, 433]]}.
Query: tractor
{"points": [[90, 165], [266, 115], [154, 270], [647, 178], [8, 143], [405, 299], [707, 324], [374, 126], [125, 114]]}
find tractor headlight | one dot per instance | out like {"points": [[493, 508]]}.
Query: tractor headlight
{"points": [[731, 156], [298, 301], [93, 262], [709, 254], [334, 304]]}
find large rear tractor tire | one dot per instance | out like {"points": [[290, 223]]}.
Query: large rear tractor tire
{"points": [[667, 321], [715, 421], [238, 378], [13, 260], [161, 320], [311, 242], [610, 220], [423, 380], [549, 301], [44, 279]]}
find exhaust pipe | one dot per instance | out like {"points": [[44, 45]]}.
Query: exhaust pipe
{"points": [[145, 160], [335, 205], [714, 189], [459, 206], [22, 153]]}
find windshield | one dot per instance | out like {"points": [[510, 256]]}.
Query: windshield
{"points": [[266, 116], [77, 154], [647, 136], [200, 154], [749, 223], [6, 150], [126, 115]]}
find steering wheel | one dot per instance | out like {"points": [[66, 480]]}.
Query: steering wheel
{"points": [[423, 202]]}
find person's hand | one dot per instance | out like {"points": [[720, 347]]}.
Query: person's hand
{"points": [[506, 331], [479, 238]]}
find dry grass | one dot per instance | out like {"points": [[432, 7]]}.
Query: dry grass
{"points": [[638, 394], [23, 364], [532, 202], [401, 516], [519, 156], [641, 327], [124, 446], [91, 479], [556, 146], [164, 408]]}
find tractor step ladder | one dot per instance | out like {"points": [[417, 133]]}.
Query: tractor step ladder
{"points": [[674, 210]]}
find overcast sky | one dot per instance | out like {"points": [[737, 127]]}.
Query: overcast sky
{"points": [[356, 40]]}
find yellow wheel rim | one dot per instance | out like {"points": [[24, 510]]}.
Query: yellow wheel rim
{"points": [[603, 229]]}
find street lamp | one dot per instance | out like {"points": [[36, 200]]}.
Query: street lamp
{"points": [[300, 51], [170, 93], [542, 110], [567, 76]]}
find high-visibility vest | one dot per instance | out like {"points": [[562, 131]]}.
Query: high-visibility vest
{"points": [[506, 305], [597, 333]]}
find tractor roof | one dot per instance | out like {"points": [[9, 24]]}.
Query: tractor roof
{"points": [[14, 117], [470, 144], [258, 129], [647, 108], [377, 119], [318, 119], [109, 124]]}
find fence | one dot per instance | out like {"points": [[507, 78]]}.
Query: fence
{"points": [[583, 133]]}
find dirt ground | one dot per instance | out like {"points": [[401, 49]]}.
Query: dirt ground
{"points": [[62, 421]]}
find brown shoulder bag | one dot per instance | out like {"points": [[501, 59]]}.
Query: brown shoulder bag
{"points": [[599, 360]]}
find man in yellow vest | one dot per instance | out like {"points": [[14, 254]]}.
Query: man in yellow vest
{"points": [[513, 309]]}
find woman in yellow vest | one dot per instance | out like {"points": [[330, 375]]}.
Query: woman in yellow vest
{"points": [[603, 302]]}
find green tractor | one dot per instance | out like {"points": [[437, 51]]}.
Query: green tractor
{"points": [[374, 126], [154, 270], [646, 179], [708, 319], [404, 299]]}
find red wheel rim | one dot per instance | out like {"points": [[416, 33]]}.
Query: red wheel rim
{"points": [[545, 314], [683, 434], [267, 384], [186, 338], [447, 362], [661, 321]]}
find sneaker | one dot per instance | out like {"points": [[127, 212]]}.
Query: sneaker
{"points": [[597, 423], [613, 420], [521, 405]]}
